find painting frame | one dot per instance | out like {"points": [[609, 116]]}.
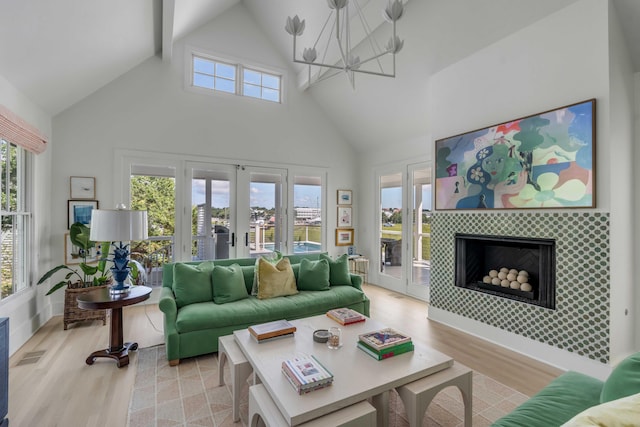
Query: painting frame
{"points": [[344, 236], [344, 197], [73, 258], [80, 211], [541, 161], [82, 188], [344, 217]]}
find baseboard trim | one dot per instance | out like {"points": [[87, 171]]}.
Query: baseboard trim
{"points": [[536, 350]]}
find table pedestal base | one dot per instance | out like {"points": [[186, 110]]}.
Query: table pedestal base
{"points": [[120, 355]]}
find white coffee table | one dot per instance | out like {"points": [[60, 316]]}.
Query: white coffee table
{"points": [[357, 376]]}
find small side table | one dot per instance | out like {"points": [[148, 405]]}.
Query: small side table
{"points": [[101, 299], [359, 265]]}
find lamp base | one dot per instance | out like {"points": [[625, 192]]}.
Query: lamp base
{"points": [[118, 289]]}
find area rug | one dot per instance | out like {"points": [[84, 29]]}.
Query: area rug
{"points": [[189, 395]]}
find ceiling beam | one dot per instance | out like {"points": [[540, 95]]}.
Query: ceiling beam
{"points": [[168, 18]]}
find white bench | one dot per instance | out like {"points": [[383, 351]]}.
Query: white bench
{"points": [[263, 409], [239, 366], [417, 396]]}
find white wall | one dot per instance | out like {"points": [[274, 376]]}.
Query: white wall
{"points": [[149, 109], [30, 309], [564, 58], [620, 142]]}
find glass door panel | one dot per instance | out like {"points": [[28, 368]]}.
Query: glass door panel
{"points": [[420, 214], [261, 211], [307, 204], [391, 225], [212, 216], [153, 188]]}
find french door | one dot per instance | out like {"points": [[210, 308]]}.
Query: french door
{"points": [[404, 200], [236, 211]]}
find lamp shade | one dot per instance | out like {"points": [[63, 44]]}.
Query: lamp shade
{"points": [[118, 225]]}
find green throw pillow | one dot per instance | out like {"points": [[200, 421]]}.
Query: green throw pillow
{"points": [[192, 283], [623, 381], [338, 270], [313, 275], [228, 284]]}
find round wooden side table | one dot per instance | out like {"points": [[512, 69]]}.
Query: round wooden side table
{"points": [[102, 299]]}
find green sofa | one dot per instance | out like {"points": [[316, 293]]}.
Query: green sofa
{"points": [[193, 329], [580, 400]]}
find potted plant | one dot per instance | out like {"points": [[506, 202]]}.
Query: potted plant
{"points": [[82, 279]]}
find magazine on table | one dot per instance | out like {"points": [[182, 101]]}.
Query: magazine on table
{"points": [[384, 338], [306, 373]]}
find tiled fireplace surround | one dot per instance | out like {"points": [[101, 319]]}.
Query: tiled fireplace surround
{"points": [[580, 321]]}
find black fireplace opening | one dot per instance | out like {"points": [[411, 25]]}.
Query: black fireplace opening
{"points": [[517, 268]]}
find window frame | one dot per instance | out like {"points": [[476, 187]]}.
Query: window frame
{"points": [[240, 66], [23, 210]]}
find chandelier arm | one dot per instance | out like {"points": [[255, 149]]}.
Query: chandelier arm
{"points": [[318, 64], [322, 30], [375, 58]]}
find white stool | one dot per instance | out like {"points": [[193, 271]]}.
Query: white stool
{"points": [[263, 409], [239, 366], [417, 396]]}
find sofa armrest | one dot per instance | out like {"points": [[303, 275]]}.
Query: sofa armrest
{"points": [[356, 281], [167, 302]]}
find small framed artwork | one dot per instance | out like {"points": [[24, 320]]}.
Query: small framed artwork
{"points": [[73, 254], [80, 211], [82, 187], [344, 236], [344, 197], [344, 216]]}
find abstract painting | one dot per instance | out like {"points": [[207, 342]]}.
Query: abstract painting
{"points": [[544, 160]]}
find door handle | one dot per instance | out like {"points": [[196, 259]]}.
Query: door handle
{"points": [[246, 239], [233, 239]]}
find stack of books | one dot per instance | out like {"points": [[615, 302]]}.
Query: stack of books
{"points": [[385, 343], [272, 330], [345, 316], [306, 373]]}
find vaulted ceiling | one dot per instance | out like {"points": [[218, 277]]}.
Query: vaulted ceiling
{"points": [[58, 52]]}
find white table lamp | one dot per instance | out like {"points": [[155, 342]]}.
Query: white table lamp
{"points": [[121, 225]]}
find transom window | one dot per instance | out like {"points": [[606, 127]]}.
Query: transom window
{"points": [[257, 84], [208, 73]]}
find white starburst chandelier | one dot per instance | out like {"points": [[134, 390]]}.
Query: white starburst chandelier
{"points": [[336, 38]]}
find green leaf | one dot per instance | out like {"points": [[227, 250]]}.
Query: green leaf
{"points": [[56, 287], [89, 270], [79, 236], [52, 272]]}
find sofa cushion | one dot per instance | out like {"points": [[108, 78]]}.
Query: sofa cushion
{"points": [[275, 280], [623, 381], [313, 275], [192, 283], [251, 310], [566, 396], [615, 413], [338, 270], [228, 284]]}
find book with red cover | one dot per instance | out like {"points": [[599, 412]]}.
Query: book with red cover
{"points": [[345, 316]]}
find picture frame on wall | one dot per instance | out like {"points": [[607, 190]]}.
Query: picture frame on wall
{"points": [[73, 255], [344, 236], [344, 216], [82, 187], [344, 197], [80, 211], [541, 161]]}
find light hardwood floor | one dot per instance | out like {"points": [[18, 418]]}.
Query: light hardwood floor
{"points": [[59, 389]]}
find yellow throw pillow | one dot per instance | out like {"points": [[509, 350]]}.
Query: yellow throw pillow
{"points": [[624, 412], [275, 280]]}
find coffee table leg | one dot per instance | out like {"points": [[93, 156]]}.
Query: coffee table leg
{"points": [[381, 403]]}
